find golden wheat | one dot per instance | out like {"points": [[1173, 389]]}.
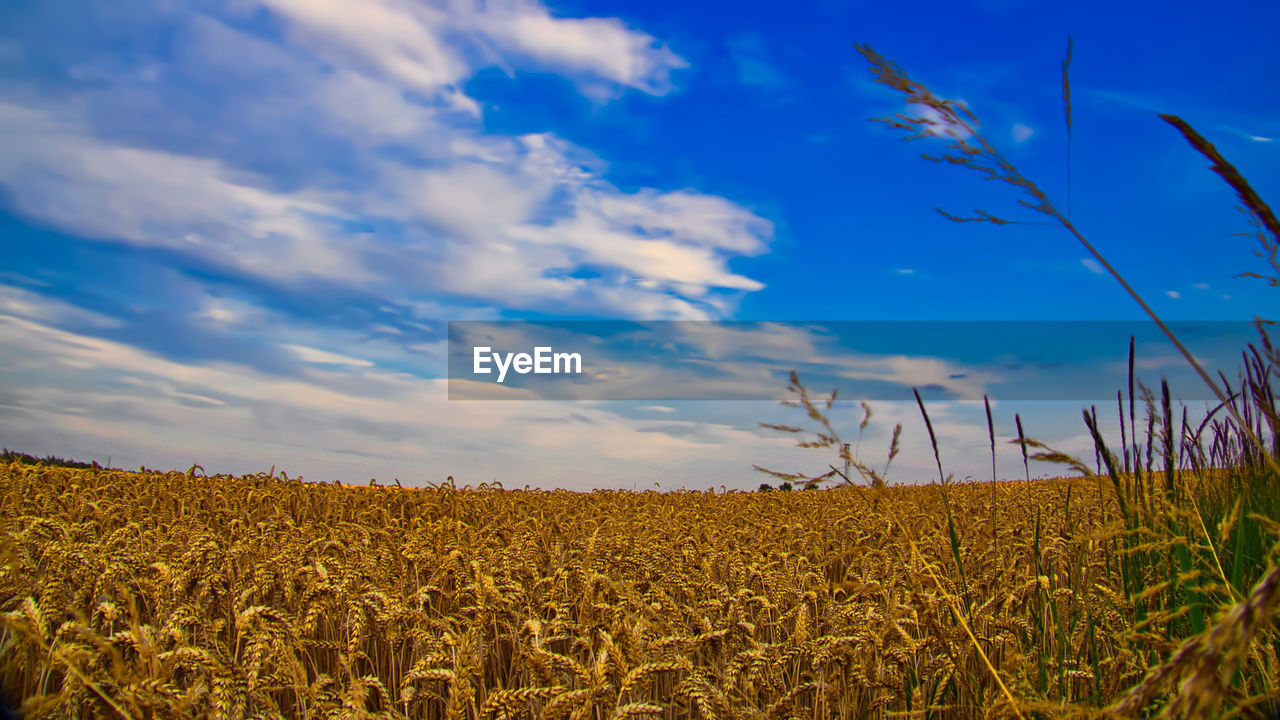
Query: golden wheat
{"points": [[171, 595]]}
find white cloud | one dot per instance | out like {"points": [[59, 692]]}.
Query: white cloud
{"points": [[503, 220], [352, 423], [358, 118], [230, 312], [967, 384], [401, 40], [32, 306], [77, 395], [1244, 134], [687, 216], [665, 251], [165, 388], [375, 111], [1173, 294], [236, 418], [323, 357], [1201, 286], [1022, 133], [1161, 362], [220, 314], [600, 46], [435, 48], [906, 271], [61, 174], [937, 124], [1092, 266], [776, 342], [476, 201]]}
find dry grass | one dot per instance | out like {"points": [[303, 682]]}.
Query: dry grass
{"points": [[175, 595], [1174, 570]]}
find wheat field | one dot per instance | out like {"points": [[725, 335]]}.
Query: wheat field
{"points": [[178, 595]]}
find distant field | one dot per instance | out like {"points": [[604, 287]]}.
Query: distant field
{"points": [[171, 595]]}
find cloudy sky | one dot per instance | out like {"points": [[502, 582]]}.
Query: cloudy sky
{"points": [[234, 232]]}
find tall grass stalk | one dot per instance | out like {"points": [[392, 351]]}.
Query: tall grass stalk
{"points": [[1196, 522], [968, 147]]}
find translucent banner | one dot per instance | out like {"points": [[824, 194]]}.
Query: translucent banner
{"points": [[865, 360]]}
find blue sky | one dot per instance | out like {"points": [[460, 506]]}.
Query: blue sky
{"points": [[234, 231]]}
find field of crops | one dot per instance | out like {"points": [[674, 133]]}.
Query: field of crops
{"points": [[177, 595]]}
